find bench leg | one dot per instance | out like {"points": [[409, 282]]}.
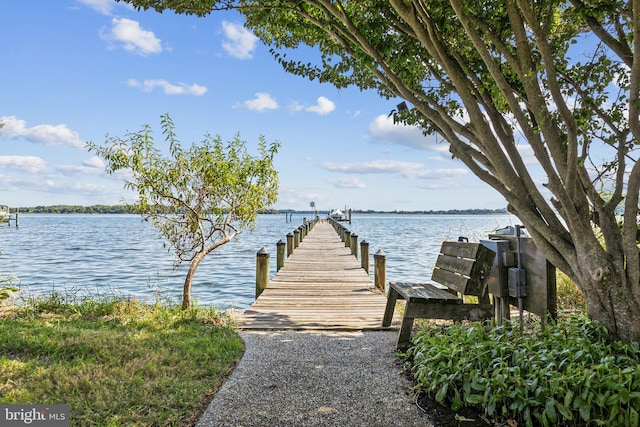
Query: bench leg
{"points": [[404, 337], [391, 306]]}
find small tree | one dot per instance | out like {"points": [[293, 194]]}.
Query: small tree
{"points": [[198, 199]]}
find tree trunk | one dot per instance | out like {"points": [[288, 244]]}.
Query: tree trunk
{"points": [[609, 297], [186, 289]]}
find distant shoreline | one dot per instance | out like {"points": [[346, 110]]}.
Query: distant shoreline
{"points": [[122, 209]]}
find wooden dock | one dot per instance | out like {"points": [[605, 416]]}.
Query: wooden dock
{"points": [[320, 286]]}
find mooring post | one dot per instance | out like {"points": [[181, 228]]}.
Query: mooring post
{"points": [[347, 238], [290, 246], [364, 255], [296, 238], [280, 248], [262, 271], [354, 245], [380, 270]]}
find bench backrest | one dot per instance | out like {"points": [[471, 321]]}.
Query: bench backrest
{"points": [[464, 267]]}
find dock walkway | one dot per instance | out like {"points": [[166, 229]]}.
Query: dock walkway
{"points": [[320, 286], [314, 353]]}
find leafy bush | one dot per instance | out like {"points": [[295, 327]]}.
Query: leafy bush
{"points": [[568, 374], [569, 296]]}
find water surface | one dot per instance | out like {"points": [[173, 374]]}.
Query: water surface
{"points": [[122, 254]]}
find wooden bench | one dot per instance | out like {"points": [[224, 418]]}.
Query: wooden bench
{"points": [[463, 269]]}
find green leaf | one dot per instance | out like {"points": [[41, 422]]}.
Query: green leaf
{"points": [[568, 397], [442, 393], [456, 404], [585, 411], [474, 399], [634, 418], [550, 410], [565, 412], [624, 395]]}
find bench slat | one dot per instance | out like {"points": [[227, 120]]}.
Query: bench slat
{"points": [[450, 279], [455, 264], [460, 249], [466, 275], [424, 293]]}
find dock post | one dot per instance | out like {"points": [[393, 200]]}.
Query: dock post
{"points": [[380, 270], [262, 271], [296, 238], [364, 255], [17, 216], [347, 238], [290, 247], [354, 245], [280, 248]]}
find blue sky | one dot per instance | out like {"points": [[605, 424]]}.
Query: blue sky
{"points": [[76, 70]]}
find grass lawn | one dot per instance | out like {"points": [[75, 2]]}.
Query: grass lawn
{"points": [[116, 363]]}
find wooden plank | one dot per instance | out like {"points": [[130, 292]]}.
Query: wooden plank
{"points": [[464, 267], [320, 286], [424, 292]]}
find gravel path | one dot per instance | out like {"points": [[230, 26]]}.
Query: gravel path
{"points": [[316, 378]]}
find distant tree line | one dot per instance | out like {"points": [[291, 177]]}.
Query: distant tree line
{"points": [[441, 212], [74, 209], [124, 209]]}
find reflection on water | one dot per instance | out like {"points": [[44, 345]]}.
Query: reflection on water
{"points": [[122, 255]]}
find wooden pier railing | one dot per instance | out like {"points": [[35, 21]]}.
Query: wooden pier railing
{"points": [[321, 285]]}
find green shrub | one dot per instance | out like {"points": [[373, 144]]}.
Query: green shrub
{"points": [[568, 374], [569, 296]]}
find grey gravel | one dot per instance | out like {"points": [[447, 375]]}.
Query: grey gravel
{"points": [[316, 378]]}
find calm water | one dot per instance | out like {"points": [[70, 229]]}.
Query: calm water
{"points": [[122, 255]]}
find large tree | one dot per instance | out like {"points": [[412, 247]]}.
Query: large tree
{"points": [[198, 199], [558, 79]]}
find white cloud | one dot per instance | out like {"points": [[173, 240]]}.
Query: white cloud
{"points": [[262, 101], [295, 106], [30, 164], [93, 166], [526, 152], [375, 166], [102, 6], [94, 162], [169, 88], [385, 131], [322, 107], [412, 170], [240, 42], [44, 134], [133, 37], [437, 173], [347, 183]]}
